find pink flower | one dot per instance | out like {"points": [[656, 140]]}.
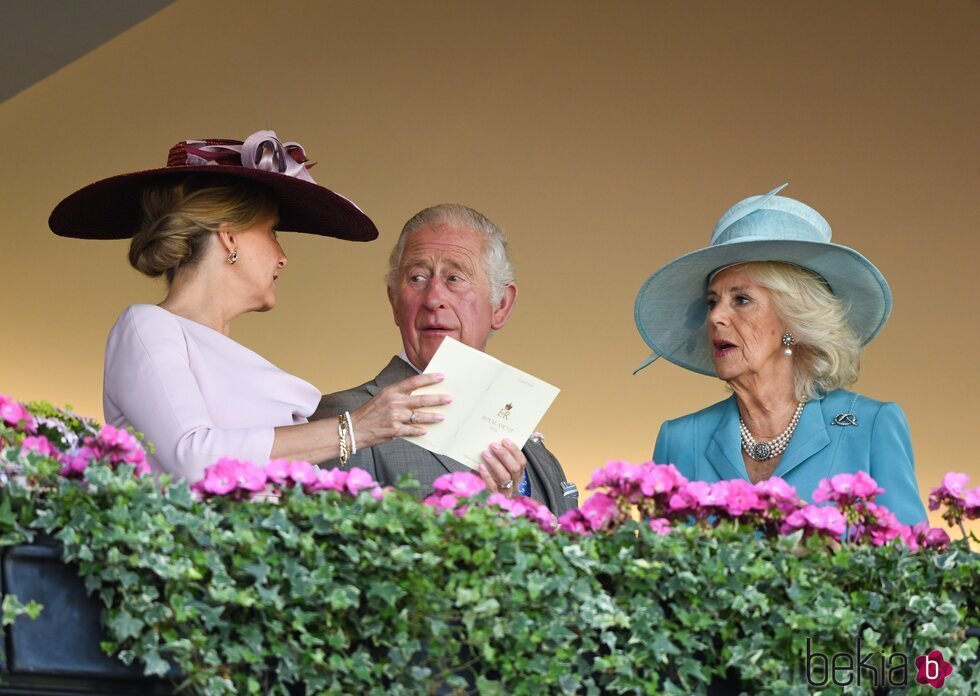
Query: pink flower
{"points": [[734, 498], [620, 478], [971, 503], [220, 478], [846, 488], [959, 500], [700, 498], [687, 498], [512, 505], [459, 482], [951, 492], [331, 480], [302, 473], [777, 497], [521, 506], [229, 475], [277, 470], [15, 415], [252, 478], [814, 518], [882, 525], [660, 479], [602, 476], [574, 522], [539, 512], [359, 480], [73, 465], [823, 492], [921, 535], [442, 501], [775, 488], [742, 498], [715, 496], [730, 498], [865, 487], [600, 510], [117, 446], [909, 535], [284, 472], [934, 538], [955, 482], [661, 526], [38, 445]]}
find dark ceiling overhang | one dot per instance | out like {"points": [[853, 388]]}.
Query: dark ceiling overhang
{"points": [[39, 37]]}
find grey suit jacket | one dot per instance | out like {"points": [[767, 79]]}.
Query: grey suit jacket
{"points": [[387, 462]]}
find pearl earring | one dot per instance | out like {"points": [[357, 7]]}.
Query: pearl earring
{"points": [[788, 340], [233, 258]]}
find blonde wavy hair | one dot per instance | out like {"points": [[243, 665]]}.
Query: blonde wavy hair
{"points": [[179, 219], [827, 352]]}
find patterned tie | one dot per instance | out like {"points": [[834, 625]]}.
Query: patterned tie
{"points": [[524, 487]]}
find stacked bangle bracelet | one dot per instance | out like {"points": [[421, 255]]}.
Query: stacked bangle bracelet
{"points": [[345, 433]]}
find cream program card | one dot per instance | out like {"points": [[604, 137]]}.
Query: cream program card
{"points": [[491, 401]]}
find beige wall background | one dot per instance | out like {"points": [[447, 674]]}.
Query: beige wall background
{"points": [[606, 138]]}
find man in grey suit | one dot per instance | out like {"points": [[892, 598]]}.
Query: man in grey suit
{"points": [[450, 275]]}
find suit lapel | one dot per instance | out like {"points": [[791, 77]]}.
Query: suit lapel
{"points": [[395, 371], [810, 437], [452, 465], [546, 480], [724, 452]]}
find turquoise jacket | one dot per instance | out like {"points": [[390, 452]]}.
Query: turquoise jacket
{"points": [[705, 446]]}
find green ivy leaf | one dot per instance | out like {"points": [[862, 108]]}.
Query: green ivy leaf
{"points": [[124, 625]]}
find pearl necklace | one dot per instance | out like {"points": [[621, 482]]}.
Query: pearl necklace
{"points": [[761, 451]]}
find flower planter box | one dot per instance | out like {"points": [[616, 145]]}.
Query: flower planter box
{"points": [[59, 651], [330, 589]]}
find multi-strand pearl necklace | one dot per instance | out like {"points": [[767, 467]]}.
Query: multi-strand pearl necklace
{"points": [[761, 451]]}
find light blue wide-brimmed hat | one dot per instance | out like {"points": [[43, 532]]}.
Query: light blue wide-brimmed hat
{"points": [[670, 308]]}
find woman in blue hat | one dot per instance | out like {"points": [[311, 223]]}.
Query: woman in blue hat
{"points": [[779, 313]]}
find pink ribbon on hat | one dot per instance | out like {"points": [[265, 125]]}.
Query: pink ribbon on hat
{"points": [[261, 150]]}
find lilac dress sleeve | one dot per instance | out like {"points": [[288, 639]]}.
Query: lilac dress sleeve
{"points": [[196, 394]]}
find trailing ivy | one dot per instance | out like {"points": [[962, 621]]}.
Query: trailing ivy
{"points": [[325, 591]]}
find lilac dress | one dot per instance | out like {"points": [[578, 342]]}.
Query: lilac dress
{"points": [[196, 394]]}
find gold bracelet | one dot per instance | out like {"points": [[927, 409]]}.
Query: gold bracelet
{"points": [[342, 435], [350, 432]]}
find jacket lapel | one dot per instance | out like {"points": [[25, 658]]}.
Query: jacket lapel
{"points": [[451, 465], [395, 371], [810, 437], [724, 452]]}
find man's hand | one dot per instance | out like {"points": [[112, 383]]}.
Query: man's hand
{"points": [[503, 467]]}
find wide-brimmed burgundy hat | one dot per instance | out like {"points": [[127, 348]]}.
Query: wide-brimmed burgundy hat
{"points": [[111, 208]]}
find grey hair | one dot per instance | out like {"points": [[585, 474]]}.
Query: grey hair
{"points": [[496, 258], [827, 351]]}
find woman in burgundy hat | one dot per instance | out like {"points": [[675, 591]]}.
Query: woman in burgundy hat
{"points": [[207, 222]]}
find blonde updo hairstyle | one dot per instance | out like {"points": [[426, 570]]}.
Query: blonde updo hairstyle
{"points": [[827, 353], [179, 219]]}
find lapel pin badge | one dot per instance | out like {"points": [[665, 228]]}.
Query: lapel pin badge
{"points": [[845, 419]]}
